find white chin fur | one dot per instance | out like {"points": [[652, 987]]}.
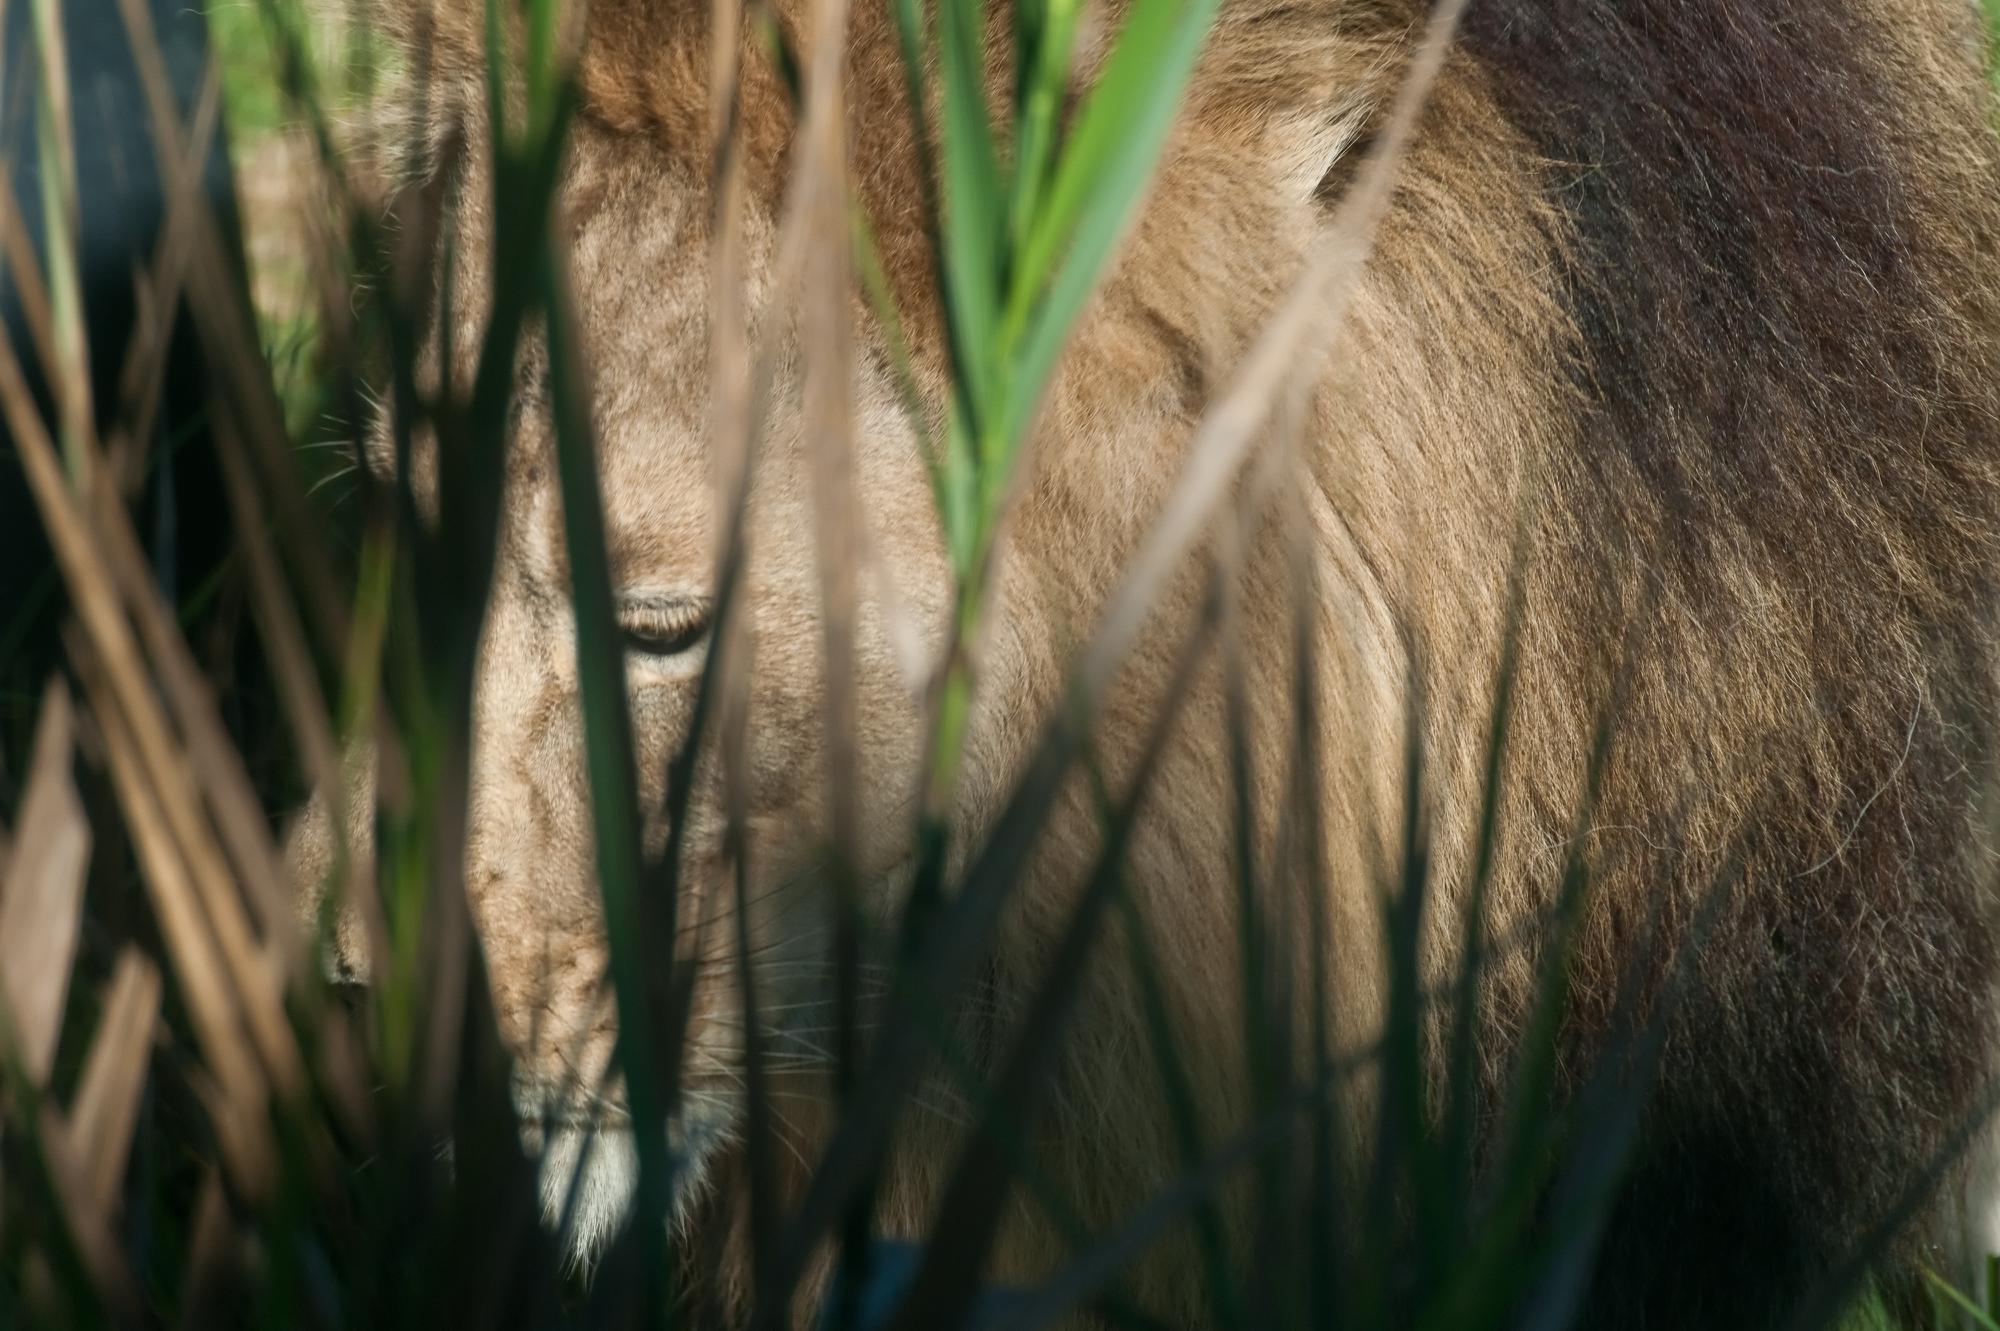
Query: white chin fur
{"points": [[590, 1173], [595, 1200]]}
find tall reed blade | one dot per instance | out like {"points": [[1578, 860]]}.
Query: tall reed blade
{"points": [[41, 894], [613, 764], [56, 146]]}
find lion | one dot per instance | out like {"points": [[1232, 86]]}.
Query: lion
{"points": [[1671, 384]]}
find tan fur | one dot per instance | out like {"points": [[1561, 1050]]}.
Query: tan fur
{"points": [[1810, 725]]}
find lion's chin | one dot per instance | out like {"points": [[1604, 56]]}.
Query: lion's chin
{"points": [[589, 1173], [588, 1176]]}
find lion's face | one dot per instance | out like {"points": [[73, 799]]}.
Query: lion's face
{"points": [[635, 224]]}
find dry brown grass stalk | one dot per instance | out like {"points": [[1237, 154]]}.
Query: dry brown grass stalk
{"points": [[243, 1129], [818, 225], [1301, 332], [106, 1109], [41, 895], [88, 1222]]}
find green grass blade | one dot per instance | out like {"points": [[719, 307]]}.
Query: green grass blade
{"points": [[496, 76], [60, 231], [1104, 168], [974, 201], [612, 763], [1045, 37], [1979, 1317], [543, 65]]}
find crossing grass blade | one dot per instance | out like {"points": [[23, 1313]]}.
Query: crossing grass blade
{"points": [[1224, 1292], [1979, 1317], [947, 1281]]}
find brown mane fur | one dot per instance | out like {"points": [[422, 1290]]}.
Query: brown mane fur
{"points": [[1705, 289]]}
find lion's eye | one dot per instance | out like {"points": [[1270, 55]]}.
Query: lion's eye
{"points": [[663, 628]]}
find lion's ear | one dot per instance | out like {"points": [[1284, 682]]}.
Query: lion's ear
{"points": [[1312, 77], [1316, 150]]}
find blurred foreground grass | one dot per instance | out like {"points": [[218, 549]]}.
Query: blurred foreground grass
{"points": [[309, 1208]]}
